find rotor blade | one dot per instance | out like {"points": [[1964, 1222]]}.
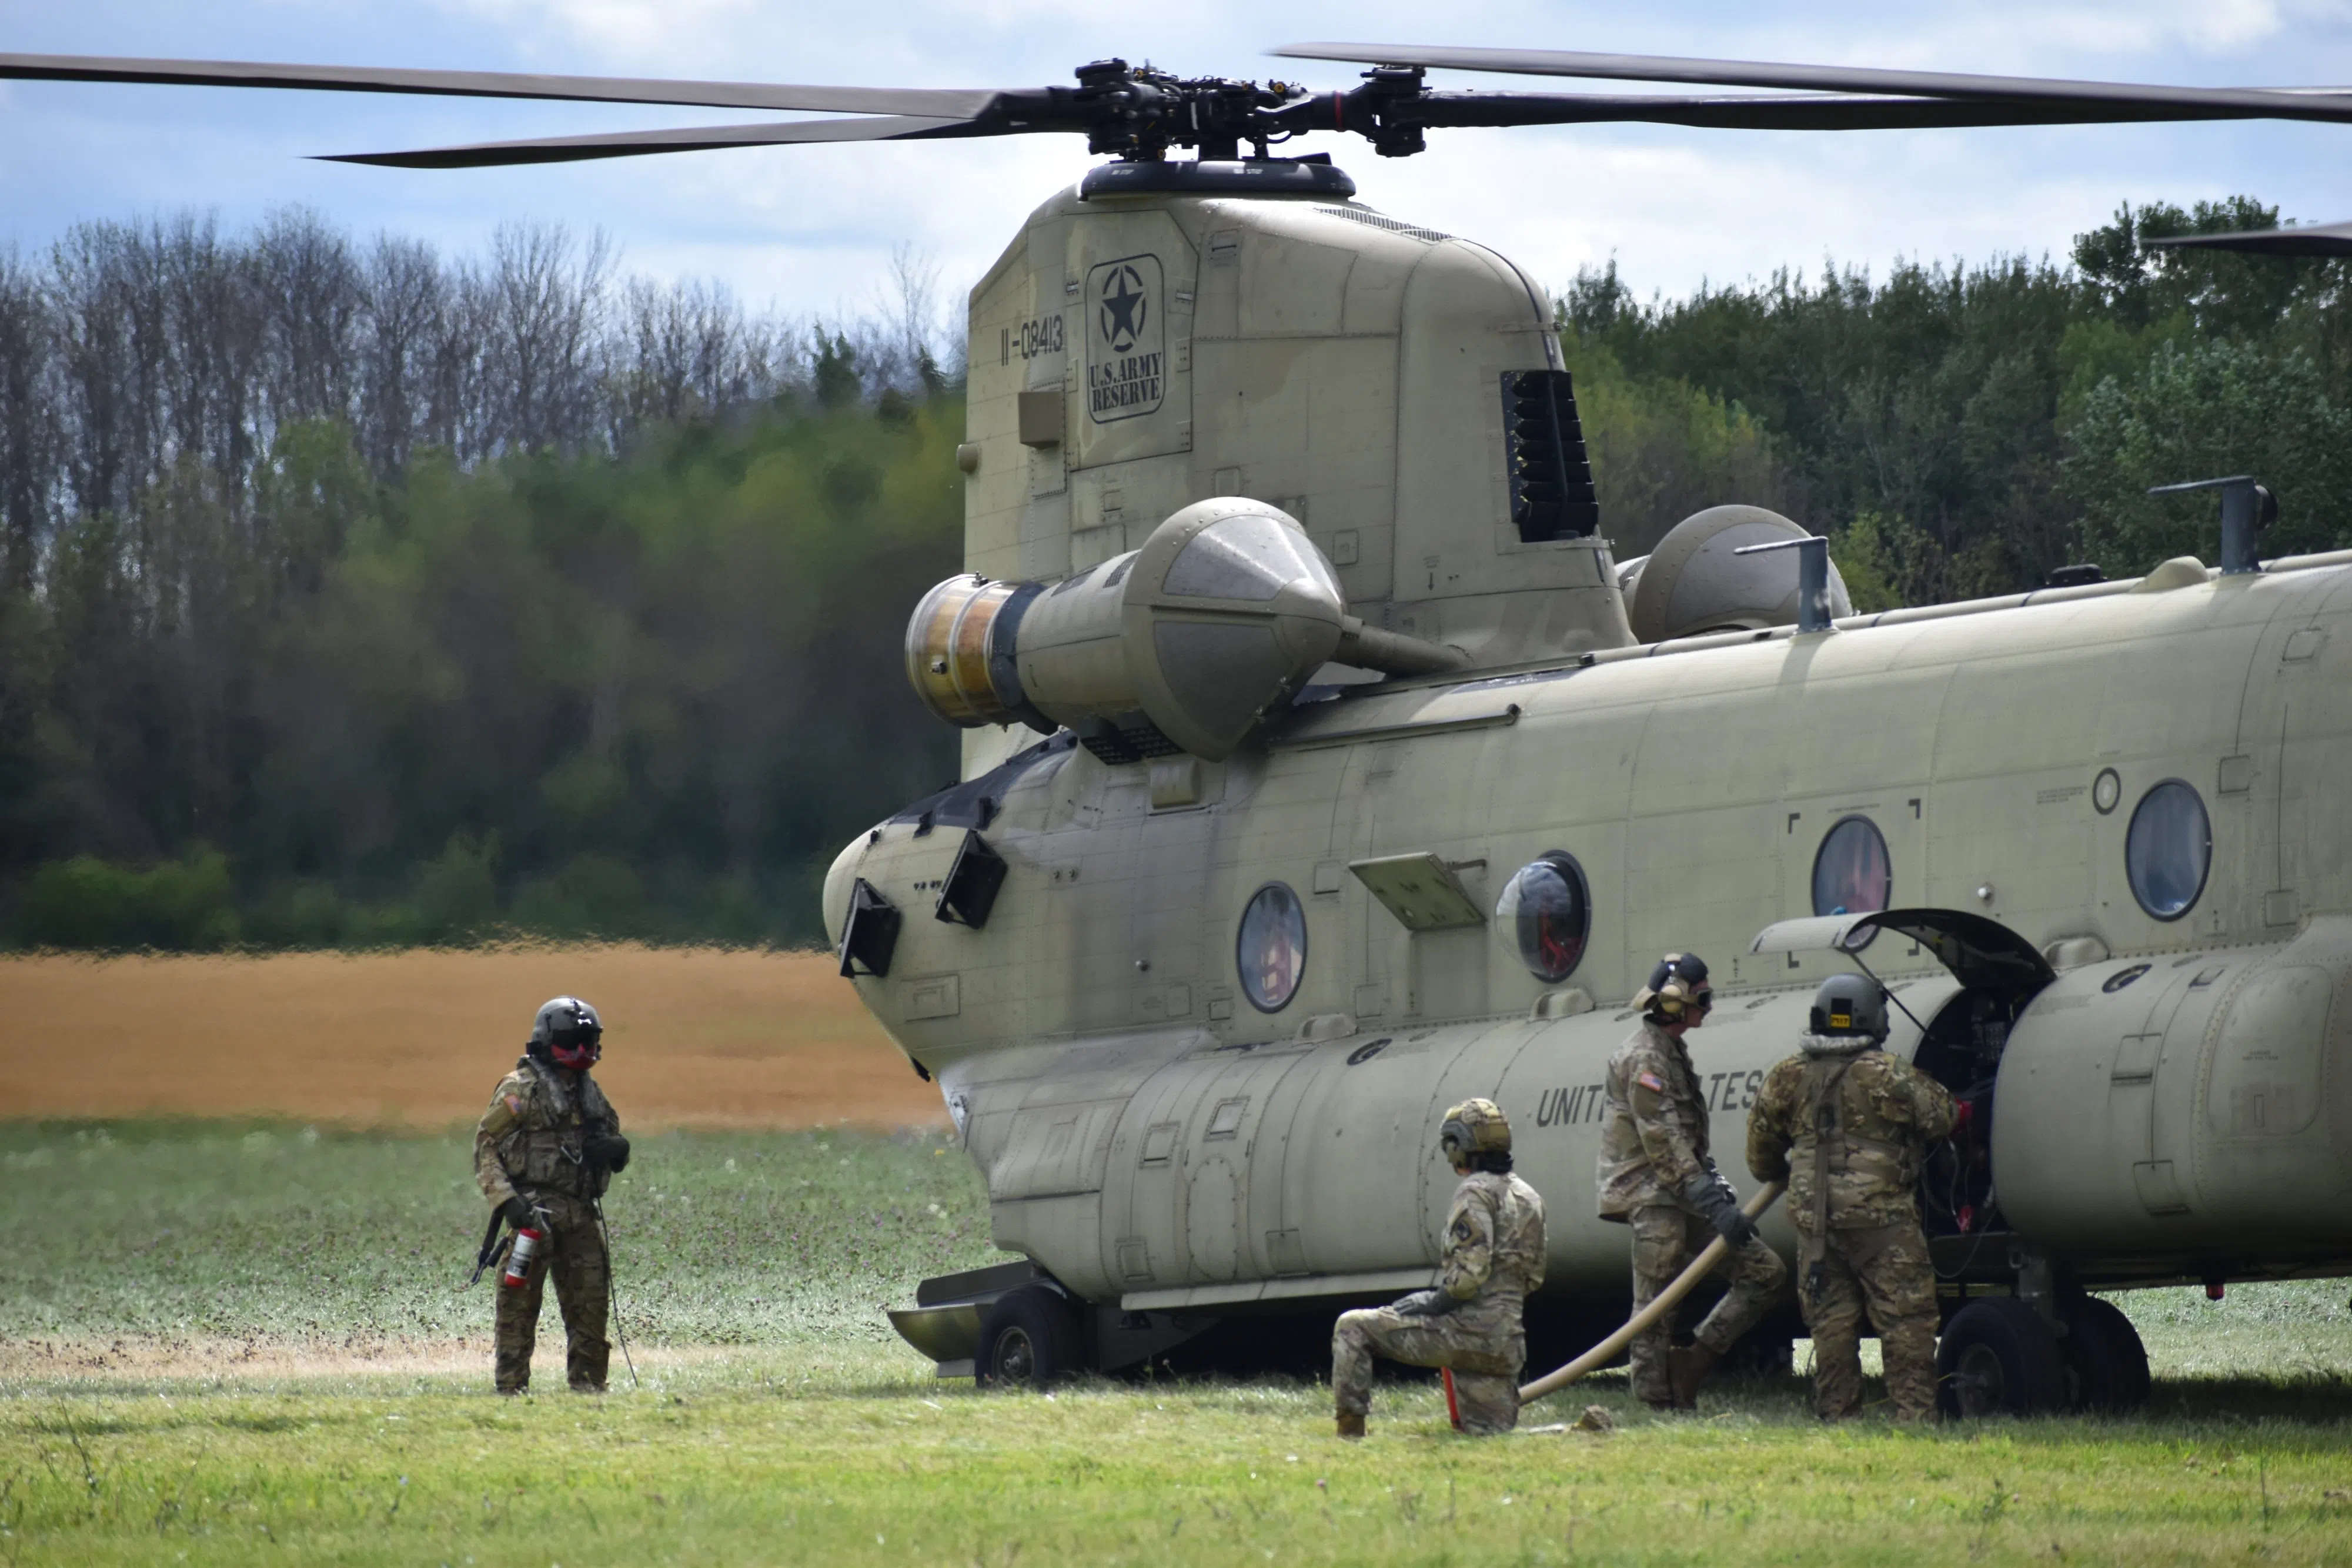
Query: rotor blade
{"points": [[959, 103], [2318, 239], [691, 139], [2260, 103], [1790, 113]]}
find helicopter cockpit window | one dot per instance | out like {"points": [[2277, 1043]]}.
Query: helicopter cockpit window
{"points": [[1249, 557], [1548, 909], [2169, 848], [1271, 949], [1851, 872]]}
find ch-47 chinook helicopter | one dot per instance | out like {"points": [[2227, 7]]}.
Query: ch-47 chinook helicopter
{"points": [[1324, 767]]}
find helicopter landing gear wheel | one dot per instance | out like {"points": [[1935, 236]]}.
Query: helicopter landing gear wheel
{"points": [[2106, 1365], [1029, 1336], [1998, 1357]]}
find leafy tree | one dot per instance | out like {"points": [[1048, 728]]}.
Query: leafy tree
{"points": [[356, 595], [1971, 428], [2201, 411]]}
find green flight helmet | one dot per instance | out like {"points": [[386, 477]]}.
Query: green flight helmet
{"points": [[1850, 1005]]}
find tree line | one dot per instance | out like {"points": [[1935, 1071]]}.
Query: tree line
{"points": [[354, 595], [129, 349], [1961, 430], [357, 595]]}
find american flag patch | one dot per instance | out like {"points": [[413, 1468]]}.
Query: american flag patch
{"points": [[1648, 1080], [514, 1106]]}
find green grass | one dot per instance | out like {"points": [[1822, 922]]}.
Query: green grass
{"points": [[268, 1232], [813, 1437]]}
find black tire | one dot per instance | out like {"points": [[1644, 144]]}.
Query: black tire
{"points": [[1998, 1357], [2106, 1365], [1029, 1336]]}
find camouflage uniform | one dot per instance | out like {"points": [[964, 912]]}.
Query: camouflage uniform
{"points": [[529, 1143], [1493, 1257], [1653, 1144], [1851, 1196]]}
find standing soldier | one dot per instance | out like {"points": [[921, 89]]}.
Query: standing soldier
{"points": [[1470, 1323], [544, 1153], [1847, 1126], [1656, 1176]]}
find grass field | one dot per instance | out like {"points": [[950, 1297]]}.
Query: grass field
{"points": [[243, 1342]]}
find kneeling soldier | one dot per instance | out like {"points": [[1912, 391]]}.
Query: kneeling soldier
{"points": [[544, 1153], [1470, 1323], [1847, 1126]]}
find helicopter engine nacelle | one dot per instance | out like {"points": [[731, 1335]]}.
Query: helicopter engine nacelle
{"points": [[1696, 581], [1185, 643]]}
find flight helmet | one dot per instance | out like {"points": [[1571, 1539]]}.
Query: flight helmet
{"points": [[1677, 985], [1848, 1006], [568, 1031], [1475, 1127]]}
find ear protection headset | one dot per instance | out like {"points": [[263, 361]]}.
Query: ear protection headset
{"points": [[1676, 985]]}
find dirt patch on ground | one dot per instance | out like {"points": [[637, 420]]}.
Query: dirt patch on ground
{"points": [[693, 1037]]}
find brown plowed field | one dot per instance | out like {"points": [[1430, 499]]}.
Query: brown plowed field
{"points": [[693, 1037]]}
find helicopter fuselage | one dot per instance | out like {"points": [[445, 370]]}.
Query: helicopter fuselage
{"points": [[2176, 1104], [1197, 1015]]}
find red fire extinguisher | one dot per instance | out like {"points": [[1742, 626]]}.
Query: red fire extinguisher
{"points": [[526, 1247]]}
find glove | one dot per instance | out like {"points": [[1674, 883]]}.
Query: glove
{"points": [[606, 1151], [1712, 1196], [1732, 1225], [518, 1211], [1723, 1184], [1423, 1304]]}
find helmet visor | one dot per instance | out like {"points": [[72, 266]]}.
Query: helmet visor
{"points": [[576, 1042]]}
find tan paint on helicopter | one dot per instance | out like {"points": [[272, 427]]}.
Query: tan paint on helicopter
{"points": [[1151, 1137], [1336, 363], [1694, 789]]}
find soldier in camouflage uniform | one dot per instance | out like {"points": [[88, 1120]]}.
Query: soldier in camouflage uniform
{"points": [[1847, 1126], [1470, 1323], [1655, 1174], [543, 1154]]}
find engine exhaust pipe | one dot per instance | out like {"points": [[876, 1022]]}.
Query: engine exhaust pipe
{"points": [[1203, 634]]}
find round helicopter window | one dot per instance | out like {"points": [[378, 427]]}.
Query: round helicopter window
{"points": [[1851, 874], [1271, 949], [1548, 908], [2169, 848]]}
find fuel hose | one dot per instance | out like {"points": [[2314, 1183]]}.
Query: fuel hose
{"points": [[1659, 1306]]}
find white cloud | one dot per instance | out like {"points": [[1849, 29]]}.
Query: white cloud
{"points": [[811, 228]]}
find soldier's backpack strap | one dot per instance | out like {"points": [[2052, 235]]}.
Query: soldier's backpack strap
{"points": [[1823, 1075]]}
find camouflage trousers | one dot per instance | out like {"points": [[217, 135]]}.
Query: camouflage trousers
{"points": [[1885, 1268], [574, 1253], [1665, 1240], [1480, 1346]]}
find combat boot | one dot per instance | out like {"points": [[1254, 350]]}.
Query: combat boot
{"points": [[1350, 1426], [1687, 1367]]}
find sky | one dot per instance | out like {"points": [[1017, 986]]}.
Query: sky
{"points": [[812, 229]]}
